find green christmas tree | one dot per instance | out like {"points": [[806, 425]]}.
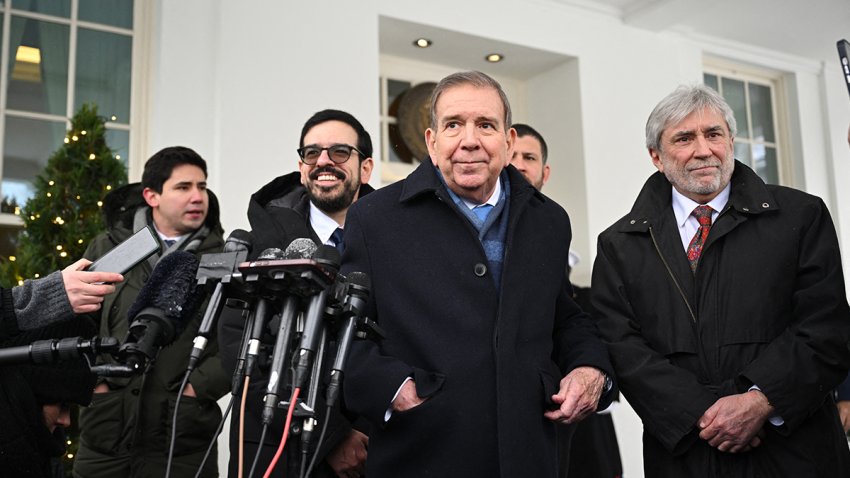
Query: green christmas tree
{"points": [[64, 215]]}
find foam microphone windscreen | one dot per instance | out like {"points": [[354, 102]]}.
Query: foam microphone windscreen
{"points": [[271, 254], [171, 289], [300, 248], [359, 279]]}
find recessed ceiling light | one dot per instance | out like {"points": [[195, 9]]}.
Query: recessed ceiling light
{"points": [[494, 57], [422, 42]]}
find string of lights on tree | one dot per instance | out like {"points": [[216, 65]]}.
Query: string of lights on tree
{"points": [[64, 213]]}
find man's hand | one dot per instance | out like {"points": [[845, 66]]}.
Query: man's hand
{"points": [[348, 459], [407, 397], [85, 289], [732, 424], [189, 391], [844, 413], [578, 396]]}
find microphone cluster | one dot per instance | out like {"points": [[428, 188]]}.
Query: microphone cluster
{"points": [[314, 309], [298, 289]]}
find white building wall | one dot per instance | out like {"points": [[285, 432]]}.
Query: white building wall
{"points": [[236, 80]]}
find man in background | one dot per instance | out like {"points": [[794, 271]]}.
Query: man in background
{"points": [[127, 429], [588, 448], [334, 167]]}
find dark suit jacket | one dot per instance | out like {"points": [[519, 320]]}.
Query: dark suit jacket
{"points": [[488, 361]]}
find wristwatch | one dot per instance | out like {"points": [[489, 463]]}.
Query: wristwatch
{"points": [[608, 385]]}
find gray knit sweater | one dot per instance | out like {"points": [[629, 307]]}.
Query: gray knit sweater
{"points": [[40, 302]]}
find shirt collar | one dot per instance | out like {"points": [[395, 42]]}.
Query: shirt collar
{"points": [[167, 238], [683, 206], [492, 200], [322, 224]]}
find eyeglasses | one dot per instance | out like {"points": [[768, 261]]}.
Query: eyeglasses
{"points": [[338, 153]]}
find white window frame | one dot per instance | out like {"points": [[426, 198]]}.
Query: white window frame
{"points": [[775, 81], [136, 126]]}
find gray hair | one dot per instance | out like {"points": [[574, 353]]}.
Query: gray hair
{"points": [[473, 78], [679, 104]]}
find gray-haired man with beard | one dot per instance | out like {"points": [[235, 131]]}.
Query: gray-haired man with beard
{"points": [[335, 164], [722, 302]]}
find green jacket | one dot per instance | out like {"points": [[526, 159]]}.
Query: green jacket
{"points": [[126, 431]]}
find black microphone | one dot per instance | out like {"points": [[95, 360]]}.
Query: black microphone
{"points": [[57, 350], [236, 248], [328, 257], [354, 307], [281, 352], [214, 266], [296, 250], [239, 241], [165, 304]]}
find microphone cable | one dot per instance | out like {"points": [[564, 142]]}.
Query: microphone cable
{"points": [[215, 437], [292, 402], [242, 432], [318, 445], [174, 423]]}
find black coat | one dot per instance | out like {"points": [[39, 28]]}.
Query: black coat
{"points": [[766, 306], [487, 361]]}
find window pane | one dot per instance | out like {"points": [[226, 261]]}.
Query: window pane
{"points": [[394, 89], [103, 73], [9, 239], [117, 13], [38, 66], [60, 8], [399, 153], [764, 163], [742, 153], [733, 91], [711, 81], [27, 146], [761, 112], [119, 142]]}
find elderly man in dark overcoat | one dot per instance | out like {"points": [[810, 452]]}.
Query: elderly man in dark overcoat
{"points": [[722, 301], [484, 347]]}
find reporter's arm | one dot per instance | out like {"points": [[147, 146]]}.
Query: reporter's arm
{"points": [[39, 302], [86, 289], [60, 295]]}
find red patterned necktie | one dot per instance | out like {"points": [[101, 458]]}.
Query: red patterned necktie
{"points": [[703, 215]]}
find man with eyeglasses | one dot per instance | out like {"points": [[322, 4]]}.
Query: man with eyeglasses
{"points": [[335, 164]]}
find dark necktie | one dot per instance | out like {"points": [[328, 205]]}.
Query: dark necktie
{"points": [[337, 238], [703, 215], [169, 242]]}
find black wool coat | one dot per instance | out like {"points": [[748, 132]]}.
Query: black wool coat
{"points": [[766, 307], [488, 360]]}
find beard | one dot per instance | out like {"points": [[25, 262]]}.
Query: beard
{"points": [[686, 181], [335, 198]]}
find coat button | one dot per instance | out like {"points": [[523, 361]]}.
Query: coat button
{"points": [[480, 269]]}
